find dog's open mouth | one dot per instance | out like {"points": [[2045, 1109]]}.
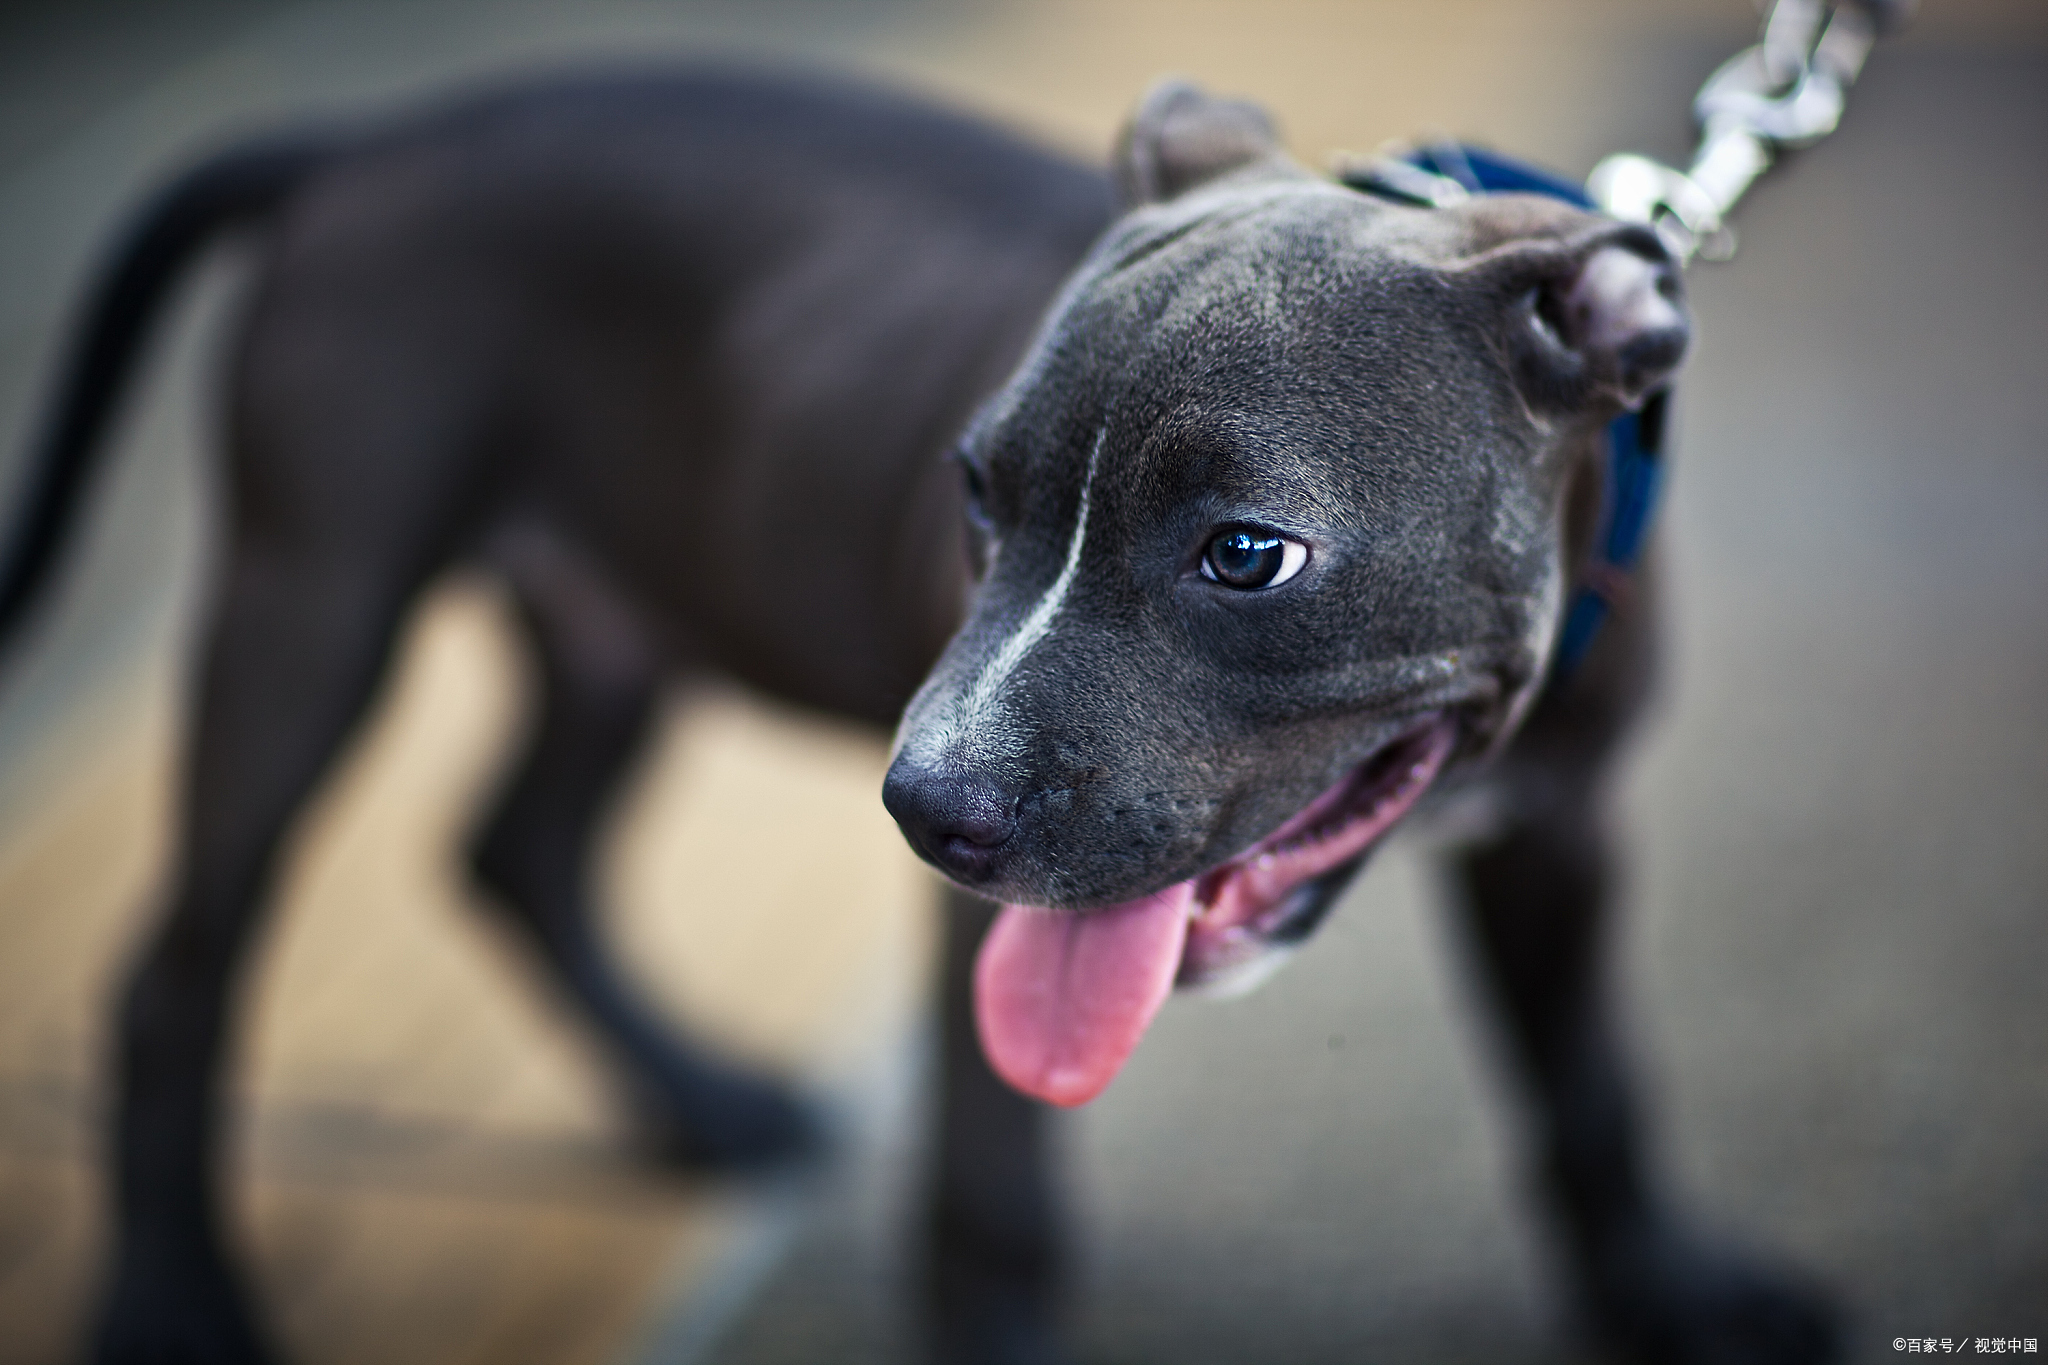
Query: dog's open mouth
{"points": [[1061, 999]]}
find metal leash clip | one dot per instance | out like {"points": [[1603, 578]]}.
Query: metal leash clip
{"points": [[1786, 92]]}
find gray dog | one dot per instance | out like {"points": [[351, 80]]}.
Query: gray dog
{"points": [[1272, 524]]}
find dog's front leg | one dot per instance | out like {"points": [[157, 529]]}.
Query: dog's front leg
{"points": [[993, 1247], [1538, 902]]}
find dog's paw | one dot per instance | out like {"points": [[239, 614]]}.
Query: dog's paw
{"points": [[996, 1341], [725, 1119], [1675, 1302], [988, 1323], [180, 1307]]}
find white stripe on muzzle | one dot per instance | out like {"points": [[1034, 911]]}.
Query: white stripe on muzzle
{"points": [[978, 701]]}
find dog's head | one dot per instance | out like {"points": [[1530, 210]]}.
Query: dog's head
{"points": [[1269, 530]]}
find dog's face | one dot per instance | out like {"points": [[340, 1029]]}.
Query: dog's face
{"points": [[1269, 530]]}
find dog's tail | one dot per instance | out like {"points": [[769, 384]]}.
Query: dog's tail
{"points": [[240, 185]]}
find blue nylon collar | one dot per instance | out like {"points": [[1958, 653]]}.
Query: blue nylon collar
{"points": [[1635, 440]]}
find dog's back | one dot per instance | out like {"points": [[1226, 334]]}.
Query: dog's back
{"points": [[716, 327]]}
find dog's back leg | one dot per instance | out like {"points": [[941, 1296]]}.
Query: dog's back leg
{"points": [[350, 482], [1538, 901], [992, 1275], [598, 676], [296, 650]]}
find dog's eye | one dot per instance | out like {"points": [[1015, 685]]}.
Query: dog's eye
{"points": [[1250, 557], [977, 491]]}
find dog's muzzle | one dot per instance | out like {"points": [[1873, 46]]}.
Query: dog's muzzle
{"points": [[1063, 996]]}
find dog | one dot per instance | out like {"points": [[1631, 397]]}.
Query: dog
{"points": [[1261, 542]]}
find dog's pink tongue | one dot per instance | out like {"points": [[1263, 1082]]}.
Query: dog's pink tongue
{"points": [[1062, 999]]}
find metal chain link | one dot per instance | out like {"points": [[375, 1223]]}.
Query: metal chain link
{"points": [[1784, 93]]}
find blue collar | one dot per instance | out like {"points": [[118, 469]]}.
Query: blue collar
{"points": [[1635, 440]]}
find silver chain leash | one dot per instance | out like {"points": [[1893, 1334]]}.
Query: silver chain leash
{"points": [[1786, 92]]}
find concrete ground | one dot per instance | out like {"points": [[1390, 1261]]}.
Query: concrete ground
{"points": [[1840, 935]]}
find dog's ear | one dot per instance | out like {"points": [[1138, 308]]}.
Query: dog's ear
{"points": [[1599, 322], [1182, 136]]}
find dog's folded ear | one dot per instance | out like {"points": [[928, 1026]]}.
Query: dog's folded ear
{"points": [[1182, 136], [1600, 322]]}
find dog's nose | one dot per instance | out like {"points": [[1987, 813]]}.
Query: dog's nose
{"points": [[955, 822]]}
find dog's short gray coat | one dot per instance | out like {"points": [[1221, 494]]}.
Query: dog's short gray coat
{"points": [[680, 356]]}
